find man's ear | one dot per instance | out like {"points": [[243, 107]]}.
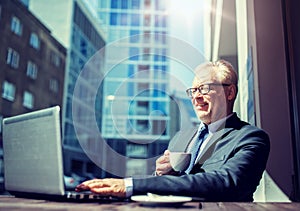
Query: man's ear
{"points": [[232, 91]]}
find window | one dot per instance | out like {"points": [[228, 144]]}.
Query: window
{"points": [[124, 4], [8, 91], [113, 18], [13, 58], [147, 3], [135, 19], [131, 70], [55, 59], [134, 53], [16, 26], [159, 127], [164, 53], [53, 85], [83, 47], [142, 106], [32, 70], [28, 100], [146, 54], [147, 20], [147, 36], [1, 120], [135, 4], [123, 21], [34, 41], [114, 4], [134, 36], [136, 150]]}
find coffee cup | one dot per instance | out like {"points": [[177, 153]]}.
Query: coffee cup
{"points": [[180, 160]]}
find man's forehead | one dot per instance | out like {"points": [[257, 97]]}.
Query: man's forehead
{"points": [[197, 83], [202, 76]]}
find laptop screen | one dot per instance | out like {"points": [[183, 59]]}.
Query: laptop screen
{"points": [[32, 152]]}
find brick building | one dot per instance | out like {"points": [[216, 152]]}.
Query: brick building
{"points": [[32, 63]]}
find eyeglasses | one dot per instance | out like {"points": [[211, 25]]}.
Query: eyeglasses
{"points": [[203, 89]]}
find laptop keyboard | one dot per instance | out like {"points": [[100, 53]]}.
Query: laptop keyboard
{"points": [[87, 195]]}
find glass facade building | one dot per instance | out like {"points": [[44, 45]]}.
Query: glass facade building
{"points": [[84, 43], [136, 103], [77, 29]]}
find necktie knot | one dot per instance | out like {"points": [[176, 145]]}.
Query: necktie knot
{"points": [[203, 131]]}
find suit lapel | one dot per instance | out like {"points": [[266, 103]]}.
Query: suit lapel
{"points": [[193, 131], [182, 140], [210, 146]]}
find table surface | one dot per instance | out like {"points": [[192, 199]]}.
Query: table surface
{"points": [[12, 203]]}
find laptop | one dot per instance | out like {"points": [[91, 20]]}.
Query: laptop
{"points": [[33, 161]]}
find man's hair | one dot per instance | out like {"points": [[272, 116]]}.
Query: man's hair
{"points": [[221, 71], [225, 72]]}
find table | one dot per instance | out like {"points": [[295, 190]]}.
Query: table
{"points": [[9, 203]]}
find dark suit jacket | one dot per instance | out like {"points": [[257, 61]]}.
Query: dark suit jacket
{"points": [[229, 169]]}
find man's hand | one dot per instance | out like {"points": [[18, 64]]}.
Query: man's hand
{"points": [[163, 165], [104, 187]]}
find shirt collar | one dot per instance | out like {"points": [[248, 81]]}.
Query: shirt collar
{"points": [[213, 127]]}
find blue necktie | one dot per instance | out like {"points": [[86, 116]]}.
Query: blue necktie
{"points": [[202, 134]]}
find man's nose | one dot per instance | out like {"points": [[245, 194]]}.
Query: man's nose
{"points": [[197, 99], [197, 94]]}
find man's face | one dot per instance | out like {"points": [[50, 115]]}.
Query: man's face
{"points": [[212, 106]]}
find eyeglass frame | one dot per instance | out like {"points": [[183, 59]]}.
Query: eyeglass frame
{"points": [[188, 91]]}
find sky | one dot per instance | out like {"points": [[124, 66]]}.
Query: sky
{"points": [[188, 28]]}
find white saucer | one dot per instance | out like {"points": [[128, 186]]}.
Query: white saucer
{"points": [[160, 200]]}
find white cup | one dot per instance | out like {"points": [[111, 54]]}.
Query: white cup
{"points": [[180, 160]]}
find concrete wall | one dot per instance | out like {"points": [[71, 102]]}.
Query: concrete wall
{"points": [[266, 38]]}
